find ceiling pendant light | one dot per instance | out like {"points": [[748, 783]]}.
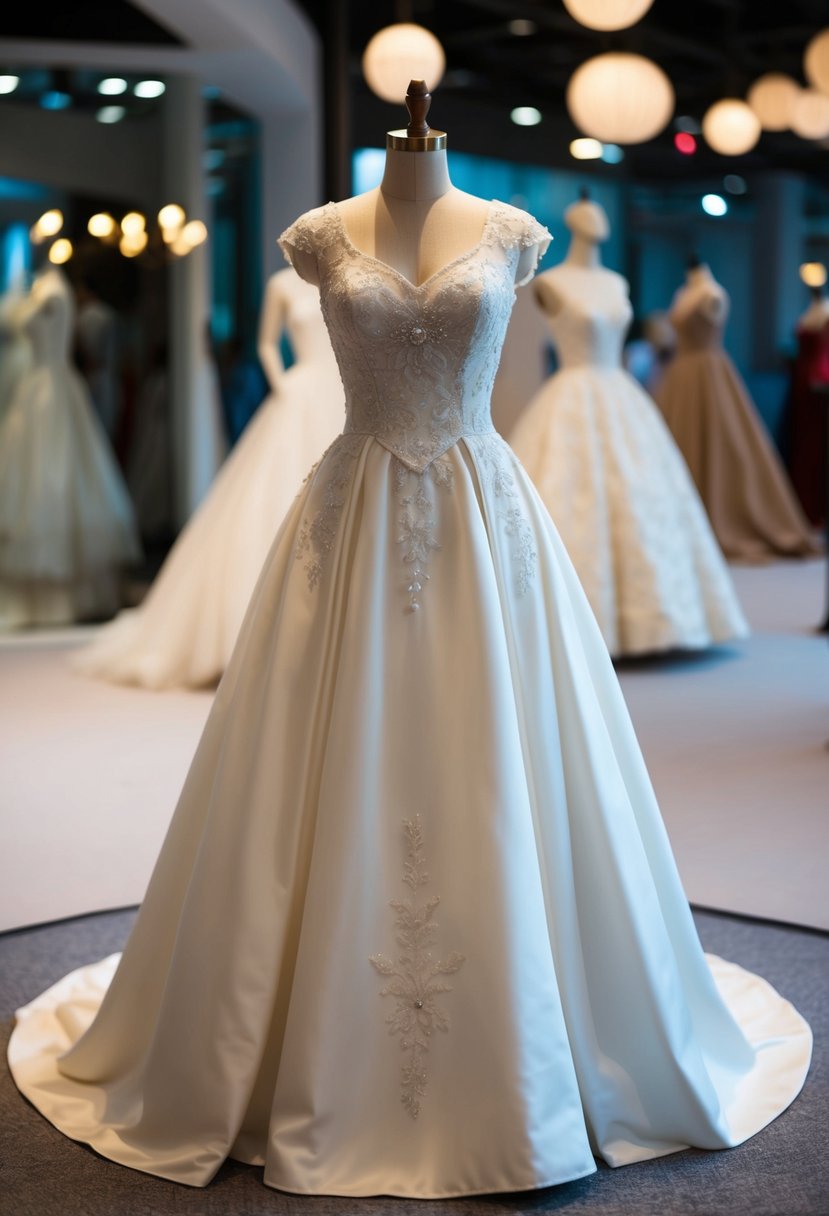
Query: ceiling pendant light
{"points": [[620, 98], [731, 127], [810, 114], [398, 54], [607, 14], [772, 99], [816, 61]]}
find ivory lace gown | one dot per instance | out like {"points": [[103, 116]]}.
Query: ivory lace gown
{"points": [[617, 488], [416, 928], [185, 630], [67, 526], [740, 478]]}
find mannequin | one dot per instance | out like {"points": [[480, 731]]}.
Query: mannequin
{"points": [[809, 407], [738, 472], [415, 221], [67, 527], [609, 473], [184, 632], [288, 997]]}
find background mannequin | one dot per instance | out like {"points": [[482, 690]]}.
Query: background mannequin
{"points": [[738, 473], [185, 630], [609, 473], [66, 520], [809, 407]]}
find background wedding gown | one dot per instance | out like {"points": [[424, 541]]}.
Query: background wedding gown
{"points": [[66, 521], [740, 477], [184, 631], [618, 491], [416, 928]]}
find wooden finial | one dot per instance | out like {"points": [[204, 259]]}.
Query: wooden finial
{"points": [[418, 101]]}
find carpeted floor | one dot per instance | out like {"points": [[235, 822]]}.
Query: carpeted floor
{"points": [[784, 1171]]}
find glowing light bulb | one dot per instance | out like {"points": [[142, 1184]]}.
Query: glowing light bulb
{"points": [[50, 223], [150, 88], [685, 143], [9, 83], [60, 252], [813, 274], [714, 204], [194, 233], [133, 223], [101, 224], [170, 219], [112, 86], [110, 114], [525, 116], [131, 244], [586, 149]]}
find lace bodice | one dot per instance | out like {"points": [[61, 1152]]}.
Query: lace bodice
{"points": [[417, 362], [590, 326], [48, 317]]}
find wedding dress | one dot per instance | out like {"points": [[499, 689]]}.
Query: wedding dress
{"points": [[740, 478], [184, 631], [416, 928], [618, 490], [66, 521]]}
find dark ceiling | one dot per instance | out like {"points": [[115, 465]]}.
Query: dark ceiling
{"points": [[709, 49]]}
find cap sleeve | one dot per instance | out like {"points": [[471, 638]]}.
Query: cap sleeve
{"points": [[310, 234], [536, 237], [517, 229]]}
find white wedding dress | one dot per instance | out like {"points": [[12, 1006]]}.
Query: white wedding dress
{"points": [[67, 526], [184, 632], [616, 486], [416, 928]]}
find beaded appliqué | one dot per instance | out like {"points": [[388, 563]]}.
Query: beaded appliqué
{"points": [[496, 456], [417, 528], [317, 535], [415, 981]]}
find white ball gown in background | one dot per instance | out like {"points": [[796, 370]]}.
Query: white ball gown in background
{"points": [[15, 347], [416, 928], [616, 486], [184, 631], [66, 521]]}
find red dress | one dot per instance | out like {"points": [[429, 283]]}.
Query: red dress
{"points": [[809, 410]]}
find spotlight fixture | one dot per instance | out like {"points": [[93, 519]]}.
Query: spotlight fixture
{"points": [[149, 88], [9, 83], [112, 86], [714, 204], [60, 252], [586, 149], [525, 116]]}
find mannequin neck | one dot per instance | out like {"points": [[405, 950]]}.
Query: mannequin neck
{"points": [[415, 177], [583, 252], [699, 274]]}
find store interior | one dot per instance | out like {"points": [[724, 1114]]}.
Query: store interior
{"points": [[152, 153]]}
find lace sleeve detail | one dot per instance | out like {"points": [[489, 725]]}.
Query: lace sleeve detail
{"points": [[311, 233], [516, 229]]}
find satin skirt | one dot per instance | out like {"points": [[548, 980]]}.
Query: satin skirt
{"points": [[740, 478], [184, 632], [619, 492], [416, 928]]}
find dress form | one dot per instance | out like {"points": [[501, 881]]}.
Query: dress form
{"points": [[701, 294], [415, 221], [589, 228]]}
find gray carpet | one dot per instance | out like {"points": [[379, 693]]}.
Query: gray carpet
{"points": [[784, 1171]]}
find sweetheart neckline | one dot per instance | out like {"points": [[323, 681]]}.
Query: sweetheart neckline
{"points": [[462, 257]]}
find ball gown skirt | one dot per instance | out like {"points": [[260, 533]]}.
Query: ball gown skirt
{"points": [[610, 475], [416, 928], [417, 870], [740, 478], [184, 631], [66, 520]]}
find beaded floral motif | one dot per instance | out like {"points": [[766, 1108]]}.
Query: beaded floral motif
{"points": [[417, 526], [317, 535], [496, 458], [415, 977]]}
